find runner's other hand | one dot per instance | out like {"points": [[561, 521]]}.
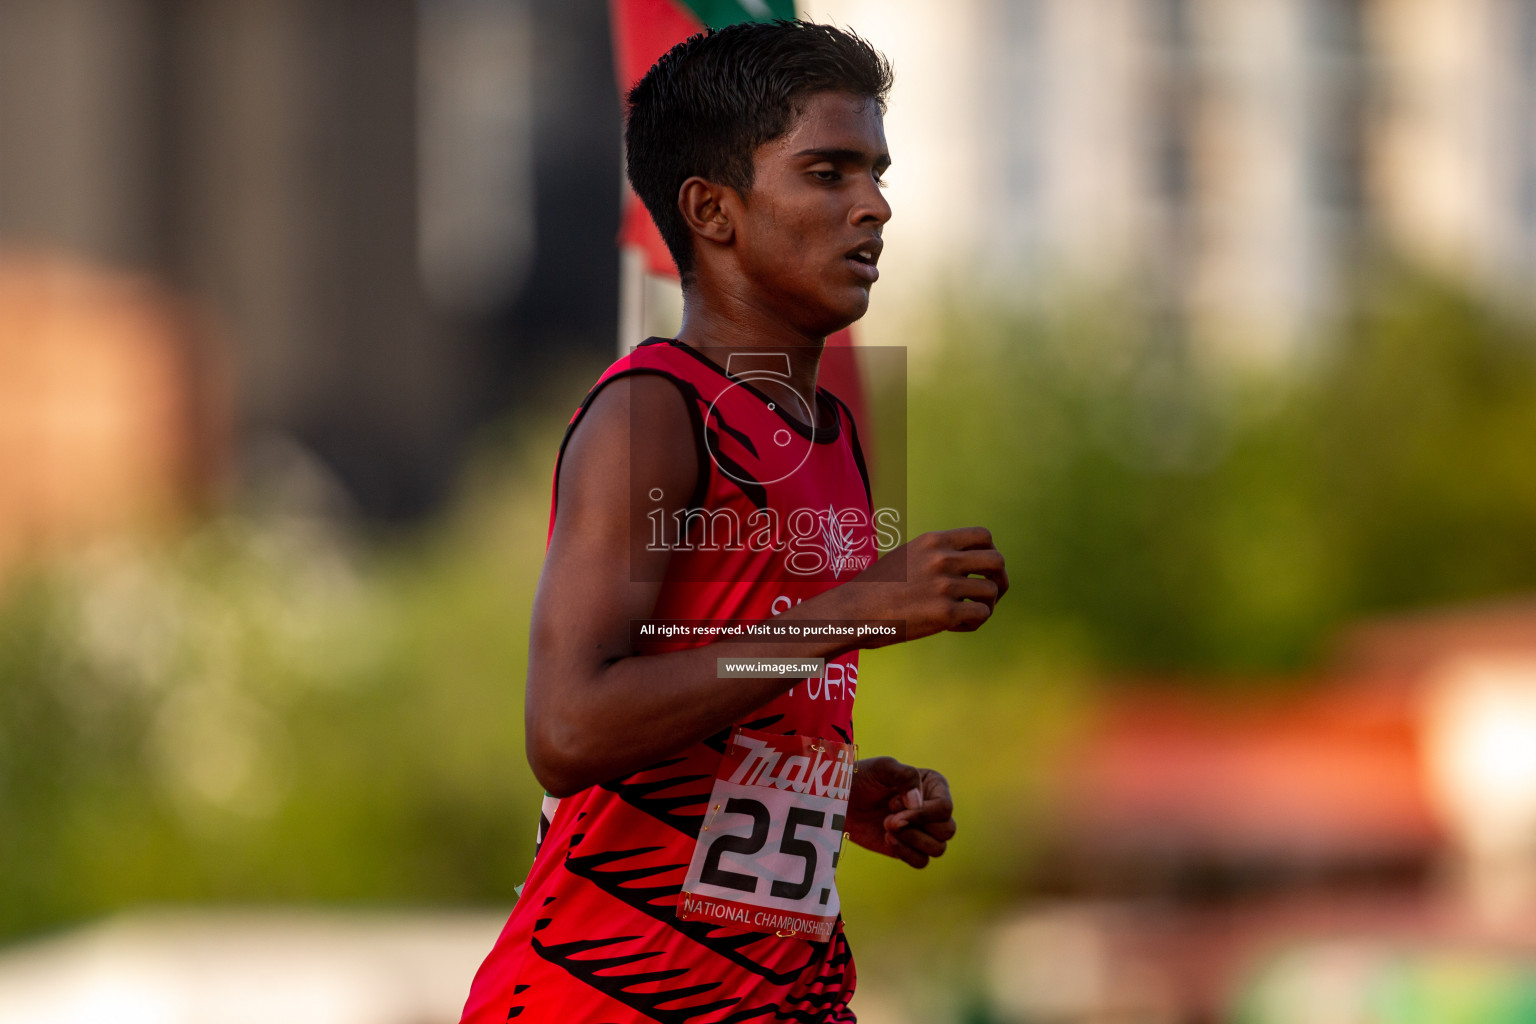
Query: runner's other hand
{"points": [[900, 811], [944, 580]]}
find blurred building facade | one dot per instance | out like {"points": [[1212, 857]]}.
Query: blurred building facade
{"points": [[1453, 138], [401, 211], [392, 209], [1227, 161]]}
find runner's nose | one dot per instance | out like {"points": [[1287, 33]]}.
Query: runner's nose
{"points": [[872, 207]]}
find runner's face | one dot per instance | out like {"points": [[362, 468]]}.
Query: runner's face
{"points": [[808, 231]]}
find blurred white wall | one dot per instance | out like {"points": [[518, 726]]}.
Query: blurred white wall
{"points": [[246, 967]]}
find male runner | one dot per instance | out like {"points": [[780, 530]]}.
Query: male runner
{"points": [[685, 872]]}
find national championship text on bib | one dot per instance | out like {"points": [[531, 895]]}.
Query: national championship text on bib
{"points": [[772, 835]]}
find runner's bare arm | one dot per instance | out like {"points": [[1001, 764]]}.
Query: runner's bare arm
{"points": [[597, 710]]}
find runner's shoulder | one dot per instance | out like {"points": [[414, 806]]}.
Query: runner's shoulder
{"points": [[641, 423]]}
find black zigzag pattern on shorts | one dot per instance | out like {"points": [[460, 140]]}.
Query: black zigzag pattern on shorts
{"points": [[598, 971]]}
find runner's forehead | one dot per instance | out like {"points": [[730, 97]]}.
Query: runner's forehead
{"points": [[835, 123]]}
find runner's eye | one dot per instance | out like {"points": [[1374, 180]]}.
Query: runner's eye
{"points": [[827, 176]]}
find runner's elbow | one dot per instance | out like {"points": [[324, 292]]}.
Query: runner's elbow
{"points": [[556, 784], [559, 759], [557, 779]]}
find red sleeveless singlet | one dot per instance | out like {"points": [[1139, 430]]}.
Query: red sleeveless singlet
{"points": [[596, 937]]}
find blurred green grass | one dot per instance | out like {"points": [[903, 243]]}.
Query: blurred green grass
{"points": [[273, 709]]}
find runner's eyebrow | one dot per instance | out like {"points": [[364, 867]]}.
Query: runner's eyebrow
{"points": [[882, 161]]}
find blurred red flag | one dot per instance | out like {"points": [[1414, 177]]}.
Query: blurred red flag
{"points": [[643, 30]]}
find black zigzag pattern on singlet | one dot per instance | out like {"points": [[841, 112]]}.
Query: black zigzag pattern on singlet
{"points": [[846, 738], [746, 442], [735, 472], [718, 741], [724, 942], [691, 398], [643, 797], [858, 449]]}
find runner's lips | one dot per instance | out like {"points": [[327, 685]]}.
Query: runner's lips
{"points": [[867, 251], [864, 257]]}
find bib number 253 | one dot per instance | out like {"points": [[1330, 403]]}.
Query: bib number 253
{"points": [[790, 845], [766, 856]]}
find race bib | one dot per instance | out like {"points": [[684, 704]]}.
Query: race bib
{"points": [[772, 835]]}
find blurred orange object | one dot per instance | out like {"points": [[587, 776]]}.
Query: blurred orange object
{"points": [[1325, 777], [114, 417]]}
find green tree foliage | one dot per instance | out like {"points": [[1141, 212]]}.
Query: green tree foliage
{"points": [[265, 711], [1169, 517]]}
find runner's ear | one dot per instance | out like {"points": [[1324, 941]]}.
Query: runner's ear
{"points": [[702, 206]]}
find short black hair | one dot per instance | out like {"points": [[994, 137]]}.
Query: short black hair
{"points": [[710, 101]]}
